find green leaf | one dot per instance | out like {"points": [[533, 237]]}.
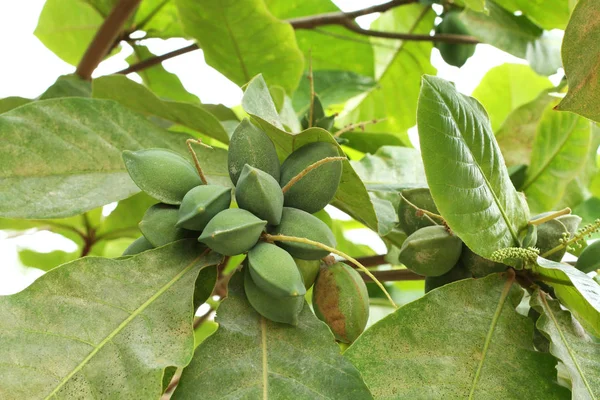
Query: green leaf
{"points": [[67, 27], [138, 98], [570, 344], [580, 49], [66, 157], [476, 5], [159, 19], [122, 321], [516, 35], [516, 135], [351, 196], [548, 14], [242, 39], [465, 170], [8, 103], [46, 261], [398, 70], [433, 349], [506, 87], [370, 142], [391, 166], [68, 86], [562, 141], [250, 357], [576, 290], [329, 47], [332, 86], [161, 82], [589, 210], [124, 220]]}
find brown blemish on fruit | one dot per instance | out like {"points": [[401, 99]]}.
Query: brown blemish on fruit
{"points": [[327, 297]]}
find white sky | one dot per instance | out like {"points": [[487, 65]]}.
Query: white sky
{"points": [[28, 68]]}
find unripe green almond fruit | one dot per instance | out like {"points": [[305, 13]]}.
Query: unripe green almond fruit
{"points": [[430, 251], [282, 309], [301, 224], [232, 231], [548, 236], [341, 300], [454, 54], [477, 265], [457, 273], [309, 269], [589, 259], [410, 220], [250, 145], [316, 189], [259, 193], [158, 225], [138, 246], [571, 222], [201, 204], [274, 271], [161, 173]]}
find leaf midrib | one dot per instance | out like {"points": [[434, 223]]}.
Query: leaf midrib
{"points": [[123, 324], [491, 330]]}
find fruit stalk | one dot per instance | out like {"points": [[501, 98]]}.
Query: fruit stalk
{"points": [[195, 157], [283, 238]]}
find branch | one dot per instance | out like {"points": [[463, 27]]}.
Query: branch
{"points": [[384, 276], [442, 37], [338, 18], [105, 37]]}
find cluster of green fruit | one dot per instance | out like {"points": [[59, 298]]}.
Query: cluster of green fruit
{"points": [[273, 198], [433, 251], [454, 53]]}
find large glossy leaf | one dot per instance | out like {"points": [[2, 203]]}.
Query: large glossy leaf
{"points": [[398, 70], [329, 47], [332, 86], [576, 290], [561, 144], [66, 27], [465, 169], [161, 82], [569, 343], [140, 99], [548, 14], [242, 39], [516, 135], [250, 357], [507, 87], [516, 35], [580, 50], [99, 327], [351, 196], [464, 340], [62, 157]]}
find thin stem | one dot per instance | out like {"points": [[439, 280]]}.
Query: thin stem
{"points": [[394, 275], [427, 214], [554, 215], [581, 233], [105, 37], [361, 125], [284, 238], [311, 81], [149, 62], [195, 157], [440, 38], [306, 170]]}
